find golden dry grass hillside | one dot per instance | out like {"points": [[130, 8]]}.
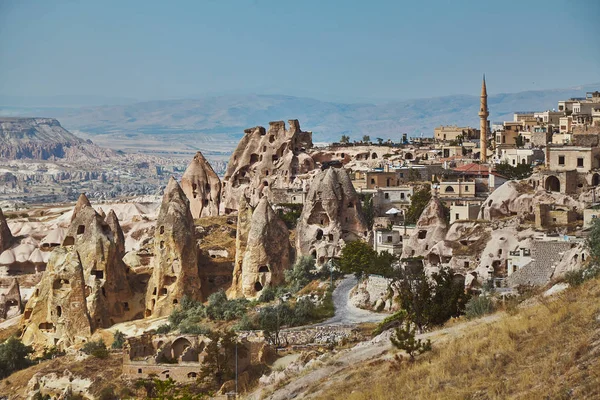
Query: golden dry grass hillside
{"points": [[547, 351]]}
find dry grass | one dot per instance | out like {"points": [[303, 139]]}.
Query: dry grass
{"points": [[551, 350]]}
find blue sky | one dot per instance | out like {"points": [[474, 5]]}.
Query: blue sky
{"points": [[332, 50]]}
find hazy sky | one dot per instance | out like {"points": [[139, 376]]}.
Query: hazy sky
{"points": [[338, 50]]}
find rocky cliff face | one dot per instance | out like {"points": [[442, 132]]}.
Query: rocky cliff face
{"points": [[6, 237], [175, 272], [43, 139], [202, 187], [267, 252], [266, 159], [430, 229], [332, 215]]}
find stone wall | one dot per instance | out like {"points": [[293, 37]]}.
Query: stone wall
{"points": [[540, 139]]}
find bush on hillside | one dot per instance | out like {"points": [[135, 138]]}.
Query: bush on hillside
{"points": [[479, 306], [118, 340], [360, 259], [220, 308], [14, 356], [96, 349]]}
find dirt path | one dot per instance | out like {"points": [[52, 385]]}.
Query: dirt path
{"points": [[345, 312]]}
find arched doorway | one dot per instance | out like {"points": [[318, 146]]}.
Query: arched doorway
{"points": [[178, 347], [552, 184], [595, 179]]}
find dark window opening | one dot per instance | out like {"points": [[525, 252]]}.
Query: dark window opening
{"points": [[258, 286], [81, 229], [98, 274], [319, 234], [422, 234], [561, 160], [163, 291], [263, 268], [58, 311], [579, 162], [162, 230]]}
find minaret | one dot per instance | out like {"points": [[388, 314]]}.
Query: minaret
{"points": [[483, 122]]}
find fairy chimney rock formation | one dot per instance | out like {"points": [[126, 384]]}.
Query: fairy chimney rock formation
{"points": [[266, 159], [82, 202], [6, 237], [115, 227], [431, 228], [202, 187], [10, 301], [332, 215], [85, 280], [57, 313], [267, 252], [244, 218], [175, 272]]}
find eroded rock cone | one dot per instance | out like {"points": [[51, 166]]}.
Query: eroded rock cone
{"points": [[89, 258], [244, 219], [266, 160], [267, 252], [332, 215], [57, 312], [175, 272], [118, 236], [6, 237], [202, 187], [82, 202], [431, 228]]}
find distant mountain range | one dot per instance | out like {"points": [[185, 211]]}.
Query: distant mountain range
{"points": [[227, 116]]}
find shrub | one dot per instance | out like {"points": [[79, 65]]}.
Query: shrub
{"points": [[404, 339], [360, 259], [189, 327], [164, 329], [96, 349], [245, 324], [220, 308], [479, 306], [14, 356], [392, 321], [301, 274], [418, 203], [290, 213], [118, 340], [108, 393], [267, 294], [576, 278]]}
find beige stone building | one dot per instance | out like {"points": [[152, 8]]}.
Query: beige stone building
{"points": [[459, 188], [454, 133]]}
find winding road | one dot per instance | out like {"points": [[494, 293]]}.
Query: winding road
{"points": [[345, 312]]}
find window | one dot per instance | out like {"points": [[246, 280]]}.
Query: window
{"points": [[386, 195], [457, 217], [561, 160], [389, 239], [372, 181], [466, 188], [579, 162], [402, 196]]}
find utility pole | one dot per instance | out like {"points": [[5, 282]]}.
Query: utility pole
{"points": [[236, 367]]}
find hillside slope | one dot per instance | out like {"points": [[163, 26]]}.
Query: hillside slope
{"points": [[547, 350]]}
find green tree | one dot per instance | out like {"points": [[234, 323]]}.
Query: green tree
{"points": [[519, 171], [379, 141], [96, 349], [220, 357], [272, 319], [345, 139], [519, 141], [368, 210], [366, 139], [14, 356], [432, 301], [448, 298], [360, 259], [118, 340], [404, 339], [418, 203], [301, 274], [413, 175]]}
